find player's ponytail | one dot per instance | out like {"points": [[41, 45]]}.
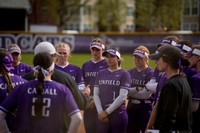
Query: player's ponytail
{"points": [[5, 67], [39, 90], [43, 64]]}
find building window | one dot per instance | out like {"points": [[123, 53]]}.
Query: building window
{"points": [[191, 7], [87, 27], [186, 7], [129, 11], [194, 27], [43, 9], [73, 26], [130, 28], [87, 10], [190, 26], [195, 7], [185, 26]]}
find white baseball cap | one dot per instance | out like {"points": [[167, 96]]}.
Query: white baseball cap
{"points": [[45, 47]]}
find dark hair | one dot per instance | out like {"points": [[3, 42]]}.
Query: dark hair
{"points": [[174, 63], [186, 42], [173, 38], [44, 60], [120, 61], [3, 70]]}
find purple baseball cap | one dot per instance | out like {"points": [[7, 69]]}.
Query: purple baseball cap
{"points": [[7, 62], [14, 50], [140, 53], [167, 42], [97, 45], [112, 52], [193, 51]]}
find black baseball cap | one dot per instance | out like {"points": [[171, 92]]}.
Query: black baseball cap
{"points": [[167, 51]]}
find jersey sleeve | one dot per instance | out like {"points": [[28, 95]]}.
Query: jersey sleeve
{"points": [[10, 103], [126, 81]]}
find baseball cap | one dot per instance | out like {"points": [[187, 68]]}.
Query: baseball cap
{"points": [[14, 50], [168, 51], [140, 53], [45, 47], [97, 45], [167, 42], [112, 52], [183, 47], [193, 51]]}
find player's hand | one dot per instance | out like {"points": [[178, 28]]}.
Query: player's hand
{"points": [[103, 116], [86, 90], [140, 88], [91, 105]]}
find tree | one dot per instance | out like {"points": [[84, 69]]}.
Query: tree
{"points": [[153, 14], [111, 14], [64, 9]]}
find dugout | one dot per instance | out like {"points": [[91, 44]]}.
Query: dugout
{"points": [[13, 14]]}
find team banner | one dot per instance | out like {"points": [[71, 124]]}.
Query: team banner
{"points": [[81, 42]]}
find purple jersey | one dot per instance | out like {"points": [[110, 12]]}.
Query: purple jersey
{"points": [[16, 80], [56, 98], [189, 72], [74, 71], [90, 71], [110, 83], [21, 69], [194, 84], [140, 78], [163, 79], [157, 74]]}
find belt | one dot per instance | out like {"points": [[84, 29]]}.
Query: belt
{"points": [[137, 101]]}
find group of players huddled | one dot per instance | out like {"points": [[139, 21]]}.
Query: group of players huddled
{"points": [[48, 96]]}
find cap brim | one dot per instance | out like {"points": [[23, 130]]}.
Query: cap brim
{"points": [[141, 55], [154, 56], [94, 46], [104, 53], [15, 51], [161, 44]]}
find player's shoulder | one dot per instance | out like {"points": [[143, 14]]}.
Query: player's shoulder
{"points": [[87, 63], [150, 69], [74, 66], [59, 73], [124, 71], [17, 78], [132, 69], [24, 64]]}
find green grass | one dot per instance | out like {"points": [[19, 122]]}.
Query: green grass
{"points": [[80, 58]]}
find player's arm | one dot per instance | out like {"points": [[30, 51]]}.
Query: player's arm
{"points": [[97, 100], [195, 105], [75, 122], [118, 101], [3, 125], [142, 93]]}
